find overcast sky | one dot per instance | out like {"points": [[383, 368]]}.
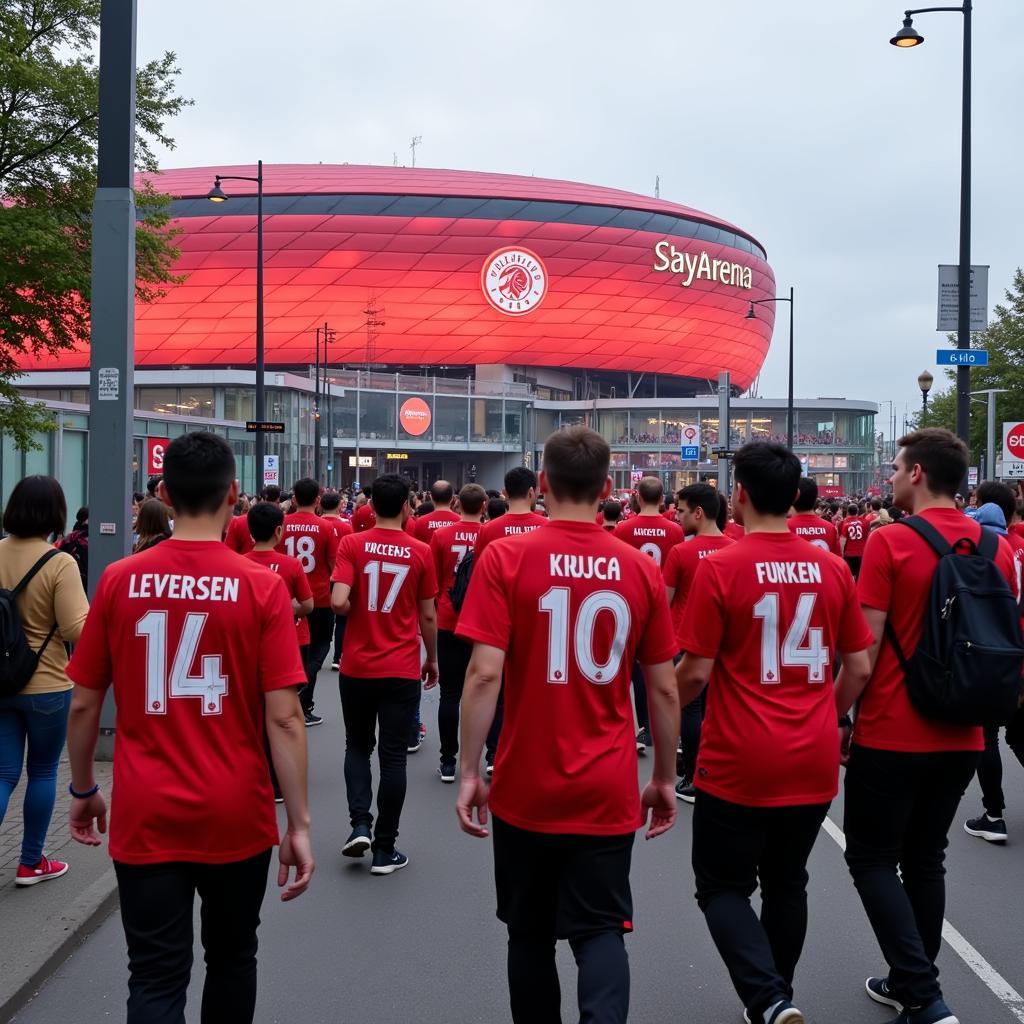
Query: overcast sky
{"points": [[794, 119]]}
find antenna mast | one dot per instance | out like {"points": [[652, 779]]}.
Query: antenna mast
{"points": [[416, 140]]}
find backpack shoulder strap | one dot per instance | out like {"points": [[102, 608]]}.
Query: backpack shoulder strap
{"points": [[932, 537], [988, 545], [30, 575], [890, 635]]}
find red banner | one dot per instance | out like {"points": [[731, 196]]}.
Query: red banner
{"points": [[155, 448], [830, 491]]}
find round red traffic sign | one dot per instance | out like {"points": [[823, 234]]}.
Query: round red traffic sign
{"points": [[1015, 441]]}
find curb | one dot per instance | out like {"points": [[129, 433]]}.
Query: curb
{"points": [[57, 942]]}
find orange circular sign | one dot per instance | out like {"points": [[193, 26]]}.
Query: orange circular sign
{"points": [[414, 416]]}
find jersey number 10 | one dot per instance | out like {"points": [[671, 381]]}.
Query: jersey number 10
{"points": [[556, 604]]}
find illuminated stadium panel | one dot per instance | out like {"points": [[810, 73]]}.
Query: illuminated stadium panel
{"points": [[414, 243]]}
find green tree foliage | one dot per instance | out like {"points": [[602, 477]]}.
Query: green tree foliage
{"points": [[1004, 342], [49, 119]]}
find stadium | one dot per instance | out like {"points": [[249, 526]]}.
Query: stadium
{"points": [[465, 315]]}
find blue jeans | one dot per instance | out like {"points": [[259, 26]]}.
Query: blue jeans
{"points": [[42, 720]]}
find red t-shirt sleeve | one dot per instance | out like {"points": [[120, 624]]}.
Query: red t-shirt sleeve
{"points": [[344, 566], [91, 665], [854, 633], [279, 663], [486, 616], [704, 618], [834, 541], [657, 642], [428, 578], [874, 584]]}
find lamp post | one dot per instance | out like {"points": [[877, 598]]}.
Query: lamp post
{"points": [[924, 382], [906, 38], [217, 195], [990, 429], [789, 399]]}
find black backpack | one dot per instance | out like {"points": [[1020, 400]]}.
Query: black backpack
{"points": [[19, 661], [967, 666], [460, 585]]}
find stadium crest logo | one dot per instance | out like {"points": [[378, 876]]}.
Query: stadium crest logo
{"points": [[514, 280]]}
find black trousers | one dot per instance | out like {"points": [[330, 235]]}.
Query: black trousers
{"points": [[735, 848], [990, 768], [643, 718], [321, 632], [453, 657], [853, 561], [340, 622], [386, 707], [156, 910], [692, 723], [898, 810]]}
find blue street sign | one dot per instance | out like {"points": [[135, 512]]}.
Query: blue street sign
{"points": [[961, 357], [690, 453]]}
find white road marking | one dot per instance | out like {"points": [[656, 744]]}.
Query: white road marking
{"points": [[989, 976]]}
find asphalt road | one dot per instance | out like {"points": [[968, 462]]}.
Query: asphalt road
{"points": [[423, 944]]}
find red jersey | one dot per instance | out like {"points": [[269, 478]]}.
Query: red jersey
{"points": [[448, 547], [421, 527], [855, 530], [671, 513], [238, 537], [1016, 530], [734, 531], [896, 577], [290, 570], [342, 527], [312, 540], [654, 536], [511, 524], [389, 573], [679, 568], [773, 611], [364, 518], [191, 635], [572, 608], [820, 532]]}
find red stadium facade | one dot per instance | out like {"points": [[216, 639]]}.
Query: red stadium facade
{"points": [[467, 269]]}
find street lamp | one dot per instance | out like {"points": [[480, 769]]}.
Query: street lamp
{"points": [[906, 38], [924, 382], [789, 400], [217, 195]]}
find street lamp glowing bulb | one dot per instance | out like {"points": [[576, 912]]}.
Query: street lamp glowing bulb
{"points": [[216, 194], [908, 35]]}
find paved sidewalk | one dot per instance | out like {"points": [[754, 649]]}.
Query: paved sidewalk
{"points": [[40, 924]]}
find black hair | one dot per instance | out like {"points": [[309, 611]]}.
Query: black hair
{"points": [[81, 517], [612, 510], [999, 495], [702, 496], [152, 484], [807, 494], [36, 508], [330, 500], [722, 519], [306, 491], [271, 493], [519, 480], [388, 494], [264, 518], [424, 509], [199, 469], [496, 508], [442, 492], [770, 474], [852, 509]]}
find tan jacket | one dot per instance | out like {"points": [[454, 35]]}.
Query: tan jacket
{"points": [[54, 595]]}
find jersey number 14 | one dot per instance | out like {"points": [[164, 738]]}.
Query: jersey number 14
{"points": [[802, 646]]}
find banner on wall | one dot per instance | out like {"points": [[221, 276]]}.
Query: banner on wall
{"points": [[155, 448]]}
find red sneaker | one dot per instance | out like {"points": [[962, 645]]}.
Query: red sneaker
{"points": [[42, 872]]}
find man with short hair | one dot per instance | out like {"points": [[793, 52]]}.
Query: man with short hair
{"points": [[442, 494], [570, 608], [853, 536], [805, 523], [764, 622], [651, 535], [521, 492], [907, 773], [313, 541], [384, 581], [199, 645], [698, 507], [450, 546], [330, 508]]}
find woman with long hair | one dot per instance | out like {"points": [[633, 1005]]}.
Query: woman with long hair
{"points": [[52, 606], [153, 525]]}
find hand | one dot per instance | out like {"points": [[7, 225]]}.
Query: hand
{"points": [[429, 674], [472, 793], [84, 815], [295, 852], [660, 799], [845, 739]]}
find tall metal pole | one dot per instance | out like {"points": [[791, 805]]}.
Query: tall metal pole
{"points": [[723, 432], [112, 308], [261, 398], [990, 437], [789, 401], [330, 415], [316, 407], [963, 373]]}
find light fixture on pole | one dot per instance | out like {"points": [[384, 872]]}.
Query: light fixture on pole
{"points": [[907, 37], [217, 195], [789, 395], [924, 382]]}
